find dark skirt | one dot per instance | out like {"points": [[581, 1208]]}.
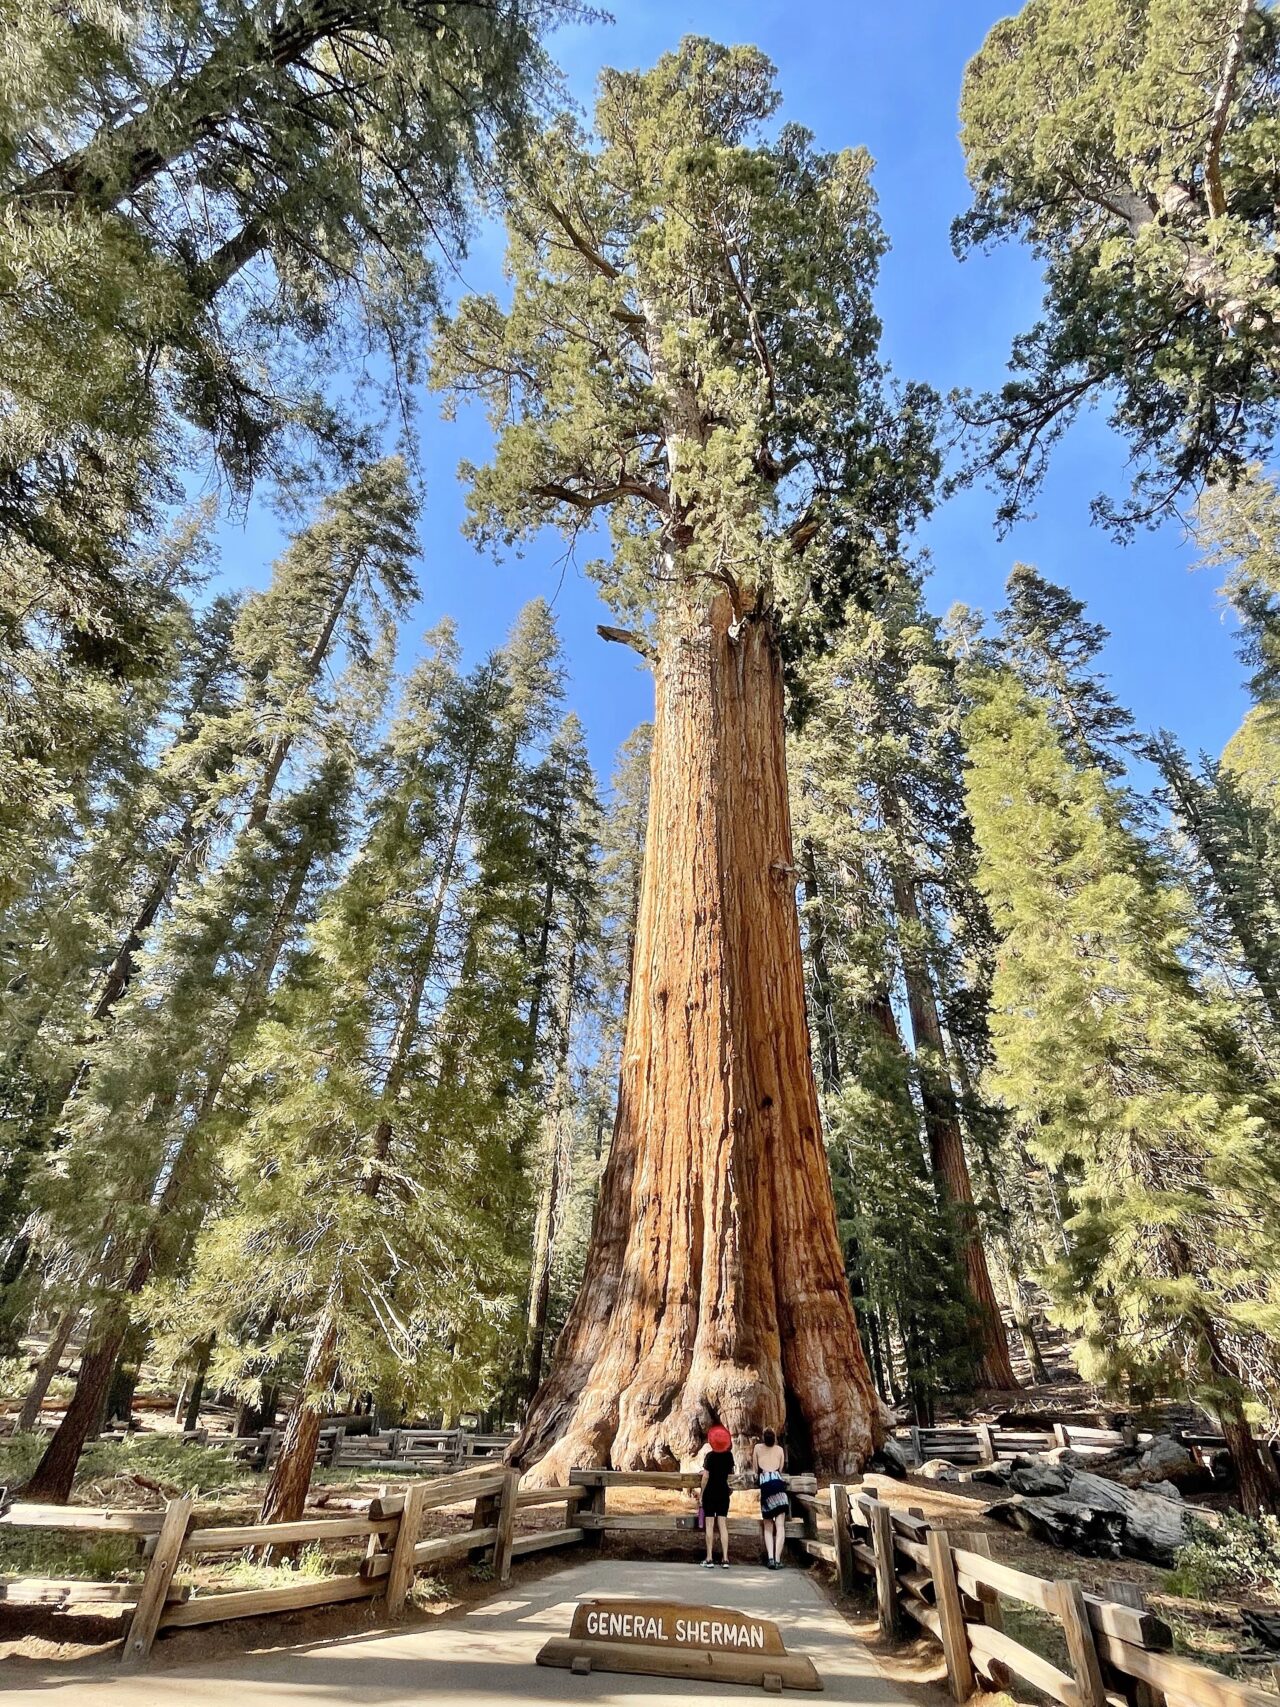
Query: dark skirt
{"points": [[773, 1498]]}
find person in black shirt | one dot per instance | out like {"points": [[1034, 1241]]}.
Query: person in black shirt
{"points": [[717, 1467]]}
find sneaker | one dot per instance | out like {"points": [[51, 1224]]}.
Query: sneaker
{"points": [[724, 1564], [708, 1564]]}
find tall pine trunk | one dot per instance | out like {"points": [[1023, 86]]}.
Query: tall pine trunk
{"points": [[714, 1287], [942, 1128], [46, 1369]]}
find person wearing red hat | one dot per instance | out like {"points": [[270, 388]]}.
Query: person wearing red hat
{"points": [[717, 1467]]}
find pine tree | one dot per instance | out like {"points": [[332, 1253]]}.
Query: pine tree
{"points": [[569, 831], [1235, 848], [882, 808], [393, 1066], [205, 209], [140, 1100], [1045, 636], [1129, 143], [1127, 1078]]}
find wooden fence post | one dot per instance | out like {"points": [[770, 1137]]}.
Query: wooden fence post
{"points": [[508, 1500], [986, 1443], [842, 1533], [1060, 1435], [978, 1541], [155, 1585], [1131, 1594], [483, 1516], [1085, 1666], [955, 1638], [400, 1577], [881, 1523], [595, 1504]]}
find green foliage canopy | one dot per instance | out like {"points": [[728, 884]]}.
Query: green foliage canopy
{"points": [[1132, 143]]}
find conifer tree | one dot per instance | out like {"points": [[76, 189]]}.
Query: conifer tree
{"points": [[1128, 141], [1234, 873], [1127, 1078], [690, 348], [569, 830], [392, 1066], [136, 1120], [204, 208], [1047, 639], [882, 775]]}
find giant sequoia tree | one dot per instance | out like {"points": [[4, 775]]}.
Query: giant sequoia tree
{"points": [[690, 348]]}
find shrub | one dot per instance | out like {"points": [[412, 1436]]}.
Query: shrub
{"points": [[1243, 1553]]}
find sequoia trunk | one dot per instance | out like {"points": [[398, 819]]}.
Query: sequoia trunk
{"points": [[714, 1288]]}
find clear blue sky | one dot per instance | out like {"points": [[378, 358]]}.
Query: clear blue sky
{"points": [[886, 76]]}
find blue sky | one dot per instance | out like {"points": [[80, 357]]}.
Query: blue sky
{"points": [[888, 77]]}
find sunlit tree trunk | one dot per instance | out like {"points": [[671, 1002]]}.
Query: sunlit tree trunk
{"points": [[714, 1287]]}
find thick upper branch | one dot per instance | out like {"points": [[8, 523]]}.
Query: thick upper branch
{"points": [[1222, 110]]}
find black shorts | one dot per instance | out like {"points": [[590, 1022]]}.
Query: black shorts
{"points": [[715, 1502]]}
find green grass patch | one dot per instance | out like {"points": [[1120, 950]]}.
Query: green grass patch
{"points": [[312, 1563], [55, 1553]]}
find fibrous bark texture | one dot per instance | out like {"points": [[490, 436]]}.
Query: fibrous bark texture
{"points": [[714, 1288]]}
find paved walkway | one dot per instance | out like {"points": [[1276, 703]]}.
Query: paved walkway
{"points": [[486, 1658]]}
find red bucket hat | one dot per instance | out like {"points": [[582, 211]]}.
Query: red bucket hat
{"points": [[719, 1438]]}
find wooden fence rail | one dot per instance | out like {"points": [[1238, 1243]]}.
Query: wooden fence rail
{"points": [[951, 1588], [404, 1448], [947, 1585], [391, 1527]]}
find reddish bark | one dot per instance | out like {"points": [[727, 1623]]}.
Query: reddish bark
{"points": [[286, 1492], [1257, 1476], [714, 1287], [53, 1477]]}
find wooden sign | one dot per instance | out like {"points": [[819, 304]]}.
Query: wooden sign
{"points": [[663, 1638]]}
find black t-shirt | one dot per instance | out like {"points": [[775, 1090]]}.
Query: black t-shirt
{"points": [[719, 1468]]}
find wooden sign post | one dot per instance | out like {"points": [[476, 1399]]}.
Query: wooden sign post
{"points": [[662, 1638]]}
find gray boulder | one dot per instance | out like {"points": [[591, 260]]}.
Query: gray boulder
{"points": [[1165, 1458], [992, 1475], [1066, 1457], [1064, 1523], [1153, 1525], [888, 1460], [1099, 1518]]}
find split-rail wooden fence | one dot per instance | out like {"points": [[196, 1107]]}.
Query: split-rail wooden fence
{"points": [[984, 1443], [391, 1527], [947, 1585]]}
